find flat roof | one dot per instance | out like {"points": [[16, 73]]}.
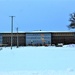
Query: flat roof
{"points": [[41, 32]]}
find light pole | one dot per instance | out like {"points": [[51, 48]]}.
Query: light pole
{"points": [[17, 37], [11, 30]]}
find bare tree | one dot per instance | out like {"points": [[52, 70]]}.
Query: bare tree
{"points": [[72, 20]]}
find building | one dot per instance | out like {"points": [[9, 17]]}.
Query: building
{"points": [[37, 38]]}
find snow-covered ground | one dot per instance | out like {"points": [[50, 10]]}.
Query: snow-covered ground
{"points": [[38, 60]]}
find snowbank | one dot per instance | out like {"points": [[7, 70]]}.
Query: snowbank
{"points": [[70, 45]]}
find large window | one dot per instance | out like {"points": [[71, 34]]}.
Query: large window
{"points": [[38, 38]]}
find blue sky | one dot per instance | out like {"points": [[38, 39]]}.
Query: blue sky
{"points": [[49, 15]]}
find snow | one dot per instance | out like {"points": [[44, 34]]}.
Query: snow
{"points": [[38, 60], [50, 31], [70, 45], [38, 31]]}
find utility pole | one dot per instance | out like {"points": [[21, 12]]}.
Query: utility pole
{"points": [[17, 37], [11, 30]]}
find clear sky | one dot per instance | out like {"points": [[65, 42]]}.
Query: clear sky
{"points": [[49, 15]]}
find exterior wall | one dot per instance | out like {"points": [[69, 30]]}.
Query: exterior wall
{"points": [[1, 39], [63, 37], [7, 39], [38, 38], [22, 41]]}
